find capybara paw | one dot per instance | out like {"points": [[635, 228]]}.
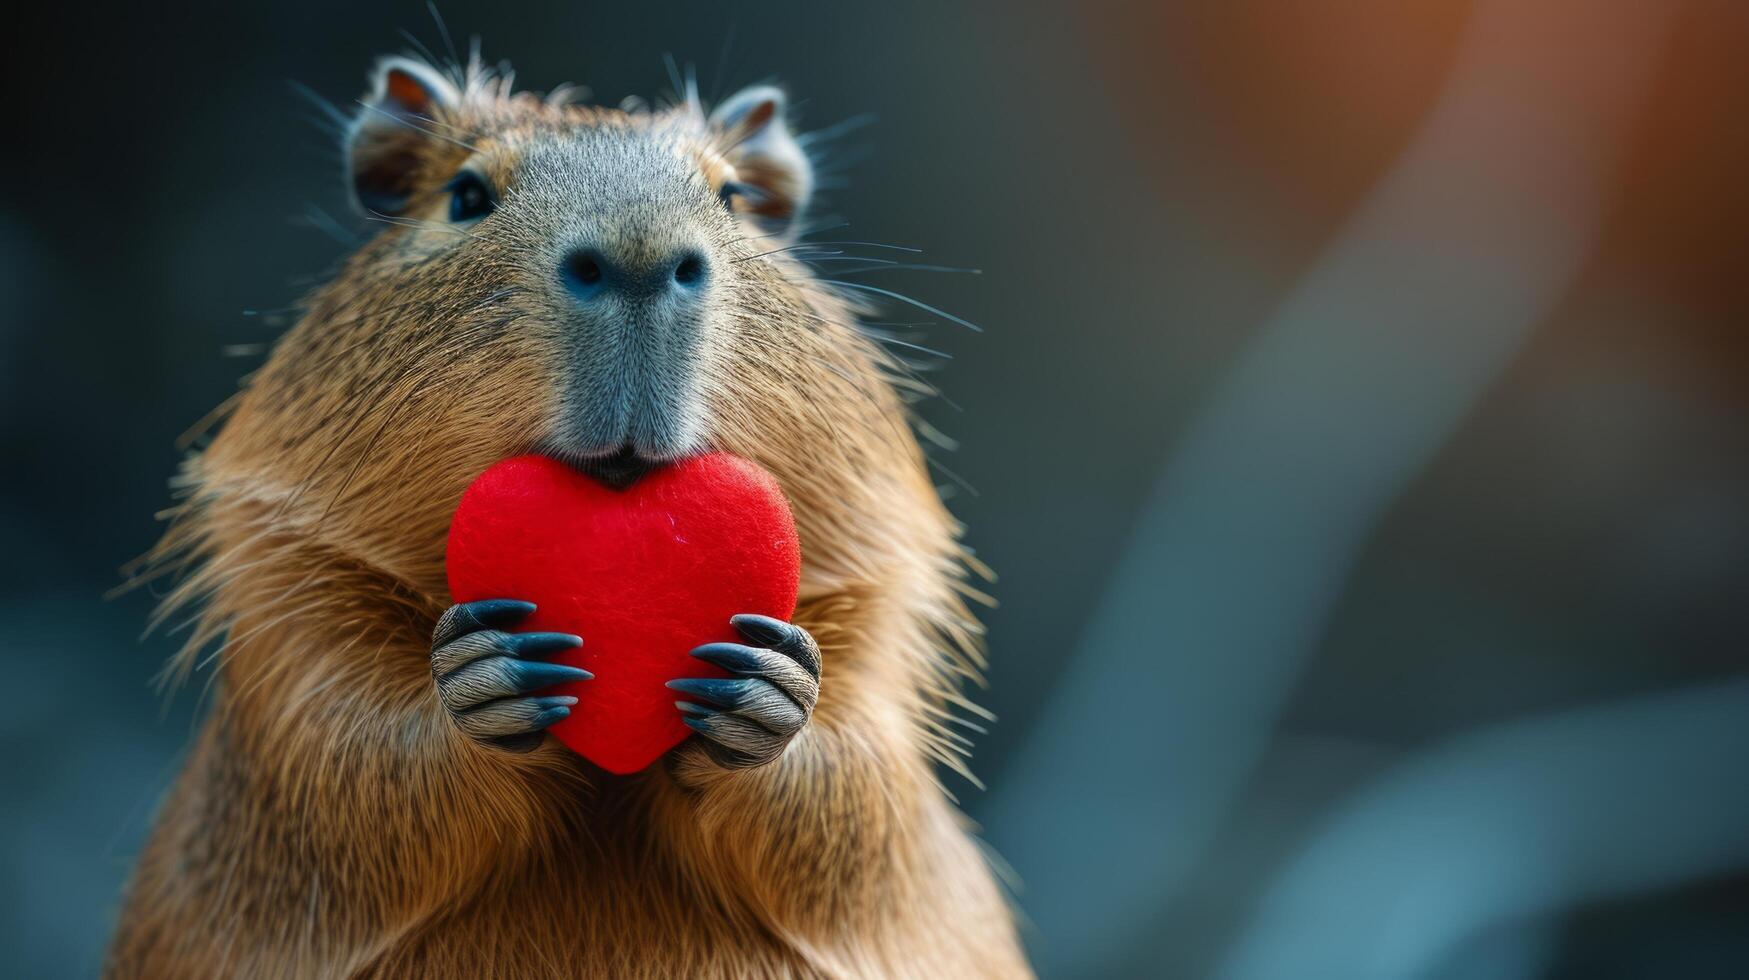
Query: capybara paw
{"points": [[749, 719], [486, 678]]}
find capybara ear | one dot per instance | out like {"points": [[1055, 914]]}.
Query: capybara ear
{"points": [[773, 177], [397, 126]]}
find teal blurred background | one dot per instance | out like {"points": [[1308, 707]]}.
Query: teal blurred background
{"points": [[1360, 433]]}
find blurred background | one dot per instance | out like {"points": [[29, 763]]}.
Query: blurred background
{"points": [[1360, 431]]}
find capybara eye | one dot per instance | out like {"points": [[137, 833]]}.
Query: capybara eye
{"points": [[730, 190], [470, 198]]}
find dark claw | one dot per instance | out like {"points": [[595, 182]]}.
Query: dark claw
{"points": [[528, 741], [552, 716], [493, 678], [532, 675], [781, 670], [723, 694], [732, 657], [508, 719], [470, 617], [488, 644], [764, 630], [756, 699], [540, 644], [499, 612], [785, 638]]}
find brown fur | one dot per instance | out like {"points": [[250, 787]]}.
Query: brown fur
{"points": [[331, 821]]}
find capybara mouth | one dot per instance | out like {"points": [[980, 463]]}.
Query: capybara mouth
{"points": [[624, 467]]}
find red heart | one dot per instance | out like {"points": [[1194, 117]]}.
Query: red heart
{"points": [[644, 575]]}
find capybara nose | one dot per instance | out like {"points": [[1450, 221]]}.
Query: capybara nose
{"points": [[592, 274]]}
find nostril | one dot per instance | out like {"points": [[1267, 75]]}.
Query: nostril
{"points": [[591, 275], [584, 269], [690, 269]]}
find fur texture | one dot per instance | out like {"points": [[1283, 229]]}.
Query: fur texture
{"points": [[331, 821]]}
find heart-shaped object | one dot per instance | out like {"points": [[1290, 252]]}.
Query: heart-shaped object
{"points": [[643, 574]]}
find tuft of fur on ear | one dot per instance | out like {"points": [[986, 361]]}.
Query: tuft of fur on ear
{"points": [[771, 169], [395, 125]]}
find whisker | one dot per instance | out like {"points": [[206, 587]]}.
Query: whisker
{"points": [[443, 31], [324, 222], [888, 339], [901, 297], [722, 64], [418, 45], [786, 231], [902, 373], [408, 121], [936, 436], [420, 223], [837, 129], [790, 248], [883, 265], [950, 474], [330, 112]]}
